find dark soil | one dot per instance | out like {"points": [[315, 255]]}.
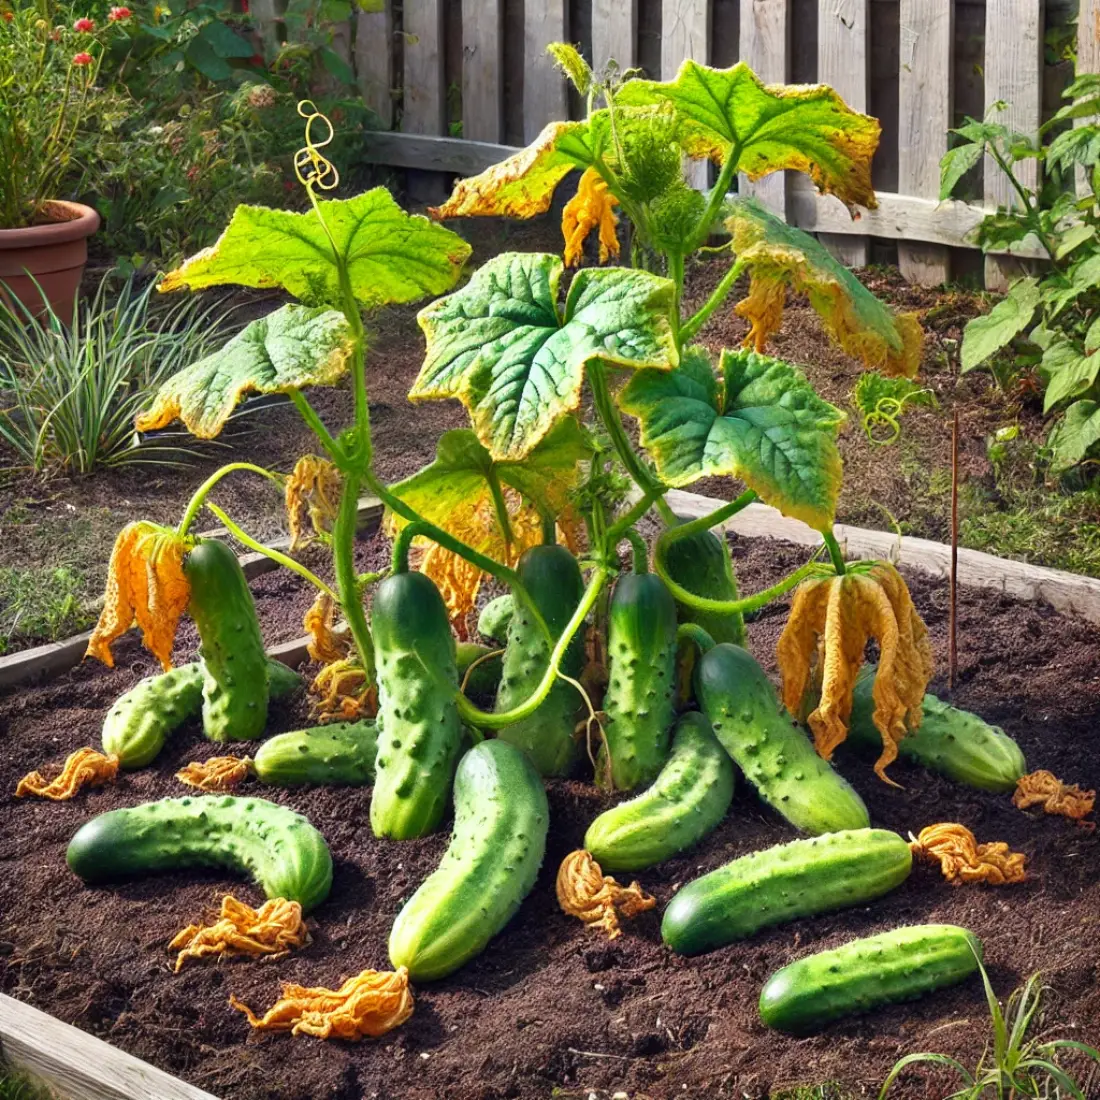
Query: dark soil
{"points": [[551, 1007]]}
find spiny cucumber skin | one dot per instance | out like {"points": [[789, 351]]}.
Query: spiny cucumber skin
{"points": [[780, 884], [953, 742], [701, 563], [865, 974], [490, 866], [482, 684], [340, 754], [776, 757], [419, 731], [284, 854], [142, 719], [640, 701], [495, 618], [553, 578], [235, 672], [687, 800]]}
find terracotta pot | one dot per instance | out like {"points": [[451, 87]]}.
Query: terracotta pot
{"points": [[54, 253]]}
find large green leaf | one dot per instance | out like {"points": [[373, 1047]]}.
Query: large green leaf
{"points": [[759, 421], [1076, 435], [293, 347], [1069, 373], [984, 336], [501, 346], [768, 127], [391, 256]]}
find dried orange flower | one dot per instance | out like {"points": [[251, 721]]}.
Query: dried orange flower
{"points": [[370, 1004], [313, 493], [146, 585], [832, 619], [589, 208], [83, 768], [1043, 788], [584, 891], [219, 773], [343, 692], [325, 645], [273, 930], [963, 859]]}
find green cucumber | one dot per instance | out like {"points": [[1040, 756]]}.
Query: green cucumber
{"points": [[702, 564], [285, 855], [482, 683], [142, 719], [950, 741], [552, 577], [865, 974], [640, 701], [235, 673], [340, 754], [495, 618], [776, 757], [419, 732], [490, 866], [781, 884], [687, 800]]}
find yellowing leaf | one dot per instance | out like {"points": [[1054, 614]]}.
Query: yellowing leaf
{"points": [[781, 255], [590, 208], [146, 585]]}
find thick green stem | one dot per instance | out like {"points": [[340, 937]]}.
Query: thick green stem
{"points": [[711, 519], [347, 578], [717, 296], [313, 420], [198, 498], [639, 549], [834, 552], [630, 517], [676, 274], [500, 506], [717, 196], [696, 635]]}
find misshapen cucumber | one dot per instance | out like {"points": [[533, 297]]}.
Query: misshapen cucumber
{"points": [[863, 975], [495, 618], [490, 866], [341, 754], [284, 854], [953, 742], [235, 672], [777, 759], [781, 884], [419, 732], [687, 800], [640, 700], [701, 563]]}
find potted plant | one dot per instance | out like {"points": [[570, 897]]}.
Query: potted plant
{"points": [[48, 96]]}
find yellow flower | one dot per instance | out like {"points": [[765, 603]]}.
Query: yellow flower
{"points": [[589, 208]]}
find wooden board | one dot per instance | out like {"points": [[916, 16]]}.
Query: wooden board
{"points": [[614, 33], [545, 97], [685, 33], [1088, 58], [374, 60], [924, 110], [1013, 73], [765, 47], [483, 70], [438, 154], [843, 62], [423, 111]]}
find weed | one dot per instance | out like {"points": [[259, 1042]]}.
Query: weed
{"points": [[14, 1086], [42, 603]]}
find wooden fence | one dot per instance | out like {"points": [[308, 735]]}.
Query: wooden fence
{"points": [[460, 78]]}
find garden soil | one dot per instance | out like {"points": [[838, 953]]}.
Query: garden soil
{"points": [[551, 1007]]}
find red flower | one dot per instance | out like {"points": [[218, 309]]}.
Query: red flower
{"points": [[82, 59], [8, 16], [117, 15], [84, 26]]}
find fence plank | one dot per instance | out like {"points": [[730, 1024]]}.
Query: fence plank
{"points": [[844, 62], [544, 92], [1088, 59], [374, 61], [1013, 73], [266, 17], [765, 46], [925, 87], [424, 93], [614, 33], [685, 33], [483, 70]]}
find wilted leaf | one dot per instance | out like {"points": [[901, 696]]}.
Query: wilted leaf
{"points": [[781, 255], [312, 493], [1075, 435], [293, 347], [984, 336], [503, 349], [391, 256], [761, 422], [769, 127]]}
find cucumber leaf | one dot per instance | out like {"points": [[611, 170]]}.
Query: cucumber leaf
{"points": [[769, 127], [1076, 435], [780, 255], [759, 421], [391, 256], [505, 350], [293, 347]]}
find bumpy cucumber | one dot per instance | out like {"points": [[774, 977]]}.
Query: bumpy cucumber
{"points": [[953, 742], [863, 975], [777, 759], [340, 754], [419, 732], [687, 800], [495, 618], [640, 700], [552, 577], [235, 673], [284, 854], [701, 563], [483, 681], [784, 883], [490, 866], [140, 722]]}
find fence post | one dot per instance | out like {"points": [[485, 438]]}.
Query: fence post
{"points": [[614, 33], [544, 93], [482, 70], [424, 110], [1088, 59], [685, 32], [765, 47], [374, 61]]}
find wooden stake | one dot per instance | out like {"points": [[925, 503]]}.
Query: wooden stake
{"points": [[953, 593]]}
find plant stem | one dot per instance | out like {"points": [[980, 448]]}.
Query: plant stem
{"points": [[835, 552], [717, 196], [717, 296], [198, 498], [640, 551], [630, 517], [711, 519], [347, 579], [500, 506], [696, 635], [676, 274], [313, 421]]}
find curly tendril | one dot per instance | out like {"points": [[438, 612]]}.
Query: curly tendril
{"points": [[313, 170]]}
